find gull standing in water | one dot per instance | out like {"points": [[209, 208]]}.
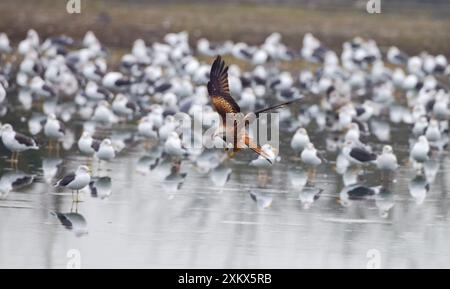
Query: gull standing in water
{"points": [[357, 155], [387, 161], [54, 130], [173, 145], [105, 150], [309, 156], [88, 145], [16, 142], [299, 140], [420, 150], [75, 180]]}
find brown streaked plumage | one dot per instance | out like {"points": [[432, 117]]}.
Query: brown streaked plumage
{"points": [[224, 103], [219, 91]]}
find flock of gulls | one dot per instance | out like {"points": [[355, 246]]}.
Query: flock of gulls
{"points": [[60, 93]]}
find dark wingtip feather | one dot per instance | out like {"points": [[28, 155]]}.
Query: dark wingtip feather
{"points": [[280, 105], [217, 75], [217, 68]]}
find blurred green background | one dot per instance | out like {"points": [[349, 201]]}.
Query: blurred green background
{"points": [[414, 25]]}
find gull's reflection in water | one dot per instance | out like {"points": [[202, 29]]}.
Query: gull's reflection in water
{"points": [[384, 202], [303, 183], [155, 152], [262, 201], [163, 169], [418, 188], [357, 192], [220, 175], [342, 164], [430, 169], [350, 176], [174, 180], [121, 140], [13, 180], [73, 221], [298, 178], [150, 160], [309, 195], [209, 160], [146, 163], [101, 188]]}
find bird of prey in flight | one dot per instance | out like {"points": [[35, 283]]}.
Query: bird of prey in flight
{"points": [[224, 104]]}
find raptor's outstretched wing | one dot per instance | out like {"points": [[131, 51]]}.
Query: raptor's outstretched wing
{"points": [[219, 91]]}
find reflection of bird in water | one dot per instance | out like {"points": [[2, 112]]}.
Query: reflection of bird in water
{"points": [[73, 221], [384, 202], [50, 167], [357, 192], [342, 163], [175, 179], [155, 152], [13, 180], [146, 163], [75, 180], [298, 178], [431, 168], [309, 195], [262, 201], [220, 175], [163, 168], [121, 140], [101, 187], [173, 145], [208, 160], [351, 176], [418, 188]]}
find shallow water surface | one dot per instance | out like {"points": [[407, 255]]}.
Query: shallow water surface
{"points": [[143, 213]]}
